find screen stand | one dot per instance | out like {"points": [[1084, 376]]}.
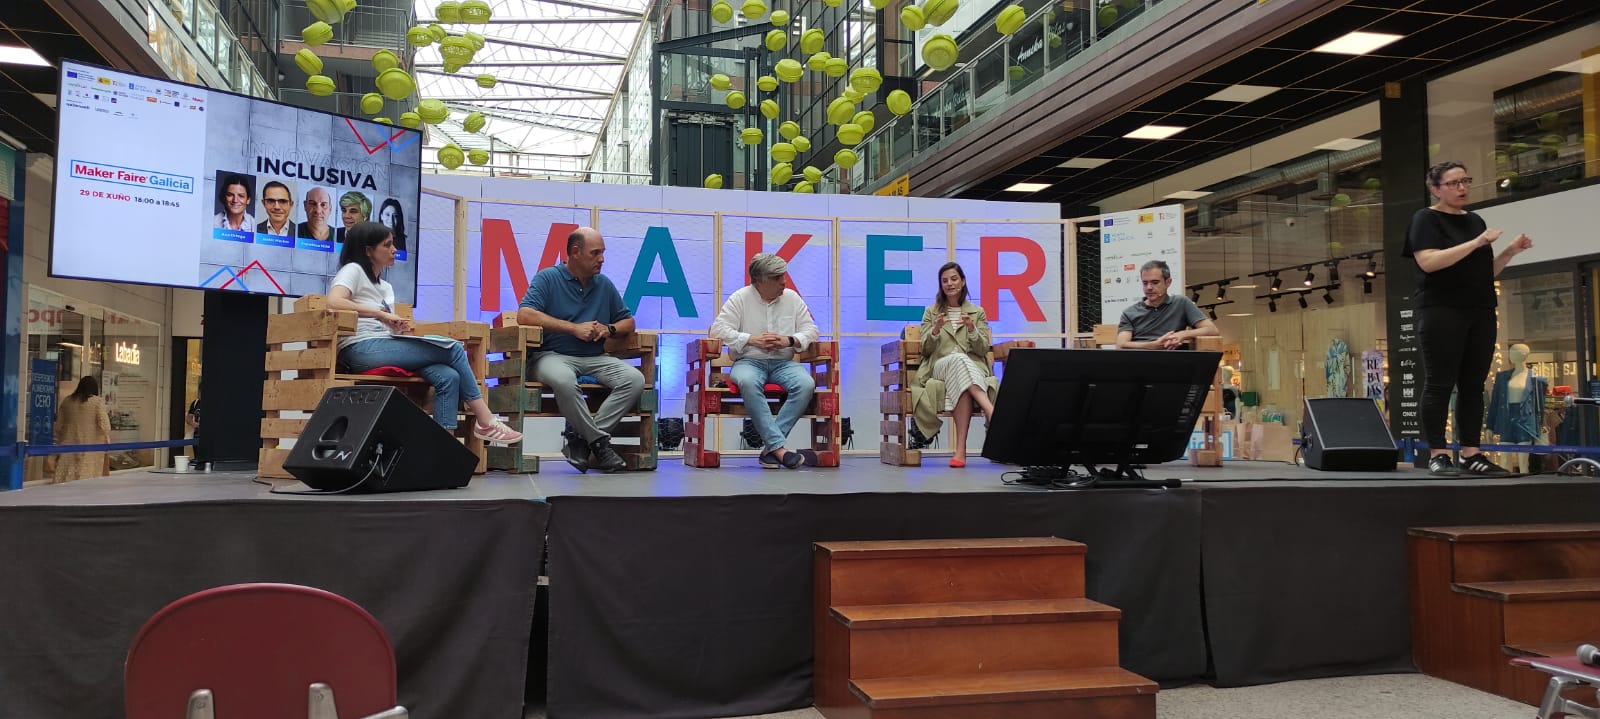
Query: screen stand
{"points": [[1126, 476], [232, 371]]}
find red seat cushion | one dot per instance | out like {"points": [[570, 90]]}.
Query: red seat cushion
{"points": [[770, 388], [389, 371]]}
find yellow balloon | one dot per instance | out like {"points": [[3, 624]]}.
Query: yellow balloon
{"points": [[776, 40], [474, 122], [372, 103], [789, 70], [852, 94], [783, 152], [383, 120], [779, 18], [330, 11], [487, 81], [753, 9], [866, 80], [478, 156], [789, 130], [866, 120], [769, 109], [316, 33], [782, 173], [846, 158], [320, 85], [395, 84], [818, 62], [410, 119], [451, 156], [721, 12], [448, 11], [1010, 20], [801, 143], [456, 49], [841, 110], [721, 81], [804, 187], [750, 136], [899, 102], [475, 12], [766, 83], [385, 60], [308, 62], [735, 100], [432, 111], [419, 37], [811, 41], [912, 18], [836, 67], [939, 12], [850, 133], [713, 182], [813, 175], [941, 52]]}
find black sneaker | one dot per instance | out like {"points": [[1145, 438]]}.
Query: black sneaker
{"points": [[1480, 465], [792, 459], [808, 457], [576, 451], [918, 441], [1441, 465], [605, 458], [770, 461]]}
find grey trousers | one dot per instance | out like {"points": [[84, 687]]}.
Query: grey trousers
{"points": [[560, 373]]}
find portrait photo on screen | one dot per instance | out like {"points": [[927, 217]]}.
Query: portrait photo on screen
{"points": [[279, 212], [220, 191], [235, 206]]}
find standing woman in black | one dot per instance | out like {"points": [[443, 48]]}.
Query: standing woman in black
{"points": [[1455, 304]]}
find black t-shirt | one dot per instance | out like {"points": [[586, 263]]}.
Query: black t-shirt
{"points": [[1468, 283]]}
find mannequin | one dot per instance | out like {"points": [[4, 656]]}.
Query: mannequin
{"points": [[1516, 406]]}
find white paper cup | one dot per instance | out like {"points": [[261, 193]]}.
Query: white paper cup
{"points": [[180, 463]]}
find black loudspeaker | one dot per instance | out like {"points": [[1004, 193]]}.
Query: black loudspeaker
{"points": [[370, 438], [1347, 434]]}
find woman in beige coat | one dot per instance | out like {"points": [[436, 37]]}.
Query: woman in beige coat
{"points": [[955, 372], [82, 419]]}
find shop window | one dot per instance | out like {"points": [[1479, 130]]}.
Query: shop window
{"points": [[1538, 128]]}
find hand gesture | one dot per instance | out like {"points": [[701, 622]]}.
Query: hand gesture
{"points": [[587, 331], [1489, 236], [938, 321], [769, 341], [1171, 341], [966, 321], [397, 324], [1523, 242]]}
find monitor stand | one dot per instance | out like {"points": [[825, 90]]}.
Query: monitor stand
{"points": [[1125, 476]]}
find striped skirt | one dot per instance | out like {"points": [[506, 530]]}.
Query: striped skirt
{"points": [[959, 373]]}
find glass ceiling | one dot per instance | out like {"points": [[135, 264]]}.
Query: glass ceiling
{"points": [[559, 64]]}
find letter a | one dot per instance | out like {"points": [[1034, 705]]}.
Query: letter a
{"points": [[658, 243]]}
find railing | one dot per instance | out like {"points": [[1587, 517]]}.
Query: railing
{"points": [[1051, 42], [381, 27]]}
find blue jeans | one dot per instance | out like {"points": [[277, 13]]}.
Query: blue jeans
{"points": [[750, 375], [446, 368]]}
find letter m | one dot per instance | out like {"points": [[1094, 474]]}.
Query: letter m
{"points": [[499, 248]]}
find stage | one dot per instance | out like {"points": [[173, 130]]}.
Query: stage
{"points": [[686, 592]]}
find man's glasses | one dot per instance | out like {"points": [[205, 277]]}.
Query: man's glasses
{"points": [[275, 201], [1462, 183]]}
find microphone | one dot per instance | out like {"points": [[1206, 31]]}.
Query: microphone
{"points": [[1573, 399], [1588, 654]]}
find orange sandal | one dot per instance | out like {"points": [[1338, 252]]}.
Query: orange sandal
{"points": [[958, 463]]}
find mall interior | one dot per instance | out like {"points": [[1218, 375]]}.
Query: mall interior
{"points": [[1292, 134]]}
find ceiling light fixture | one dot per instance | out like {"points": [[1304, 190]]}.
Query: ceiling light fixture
{"points": [[1028, 187], [1311, 277], [1327, 295], [1272, 304], [1302, 299], [1185, 195], [1277, 282], [1343, 144], [1366, 285], [1372, 267], [1083, 163], [1154, 132], [1242, 314], [1357, 43], [1333, 271], [1222, 290], [21, 55], [1242, 93], [1213, 312]]}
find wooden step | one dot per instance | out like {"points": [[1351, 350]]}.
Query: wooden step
{"points": [[948, 570], [1509, 532], [950, 614], [977, 637], [1533, 590], [1098, 692], [1553, 649]]}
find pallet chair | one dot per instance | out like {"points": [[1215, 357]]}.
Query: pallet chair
{"points": [[315, 369], [902, 361], [519, 394], [261, 651], [710, 396]]}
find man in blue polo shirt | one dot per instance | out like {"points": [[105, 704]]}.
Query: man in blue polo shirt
{"points": [[579, 310]]}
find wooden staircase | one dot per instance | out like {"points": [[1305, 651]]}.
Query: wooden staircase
{"points": [[1483, 595], [966, 629]]}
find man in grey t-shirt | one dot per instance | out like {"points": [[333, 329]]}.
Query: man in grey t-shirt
{"points": [[1161, 321]]}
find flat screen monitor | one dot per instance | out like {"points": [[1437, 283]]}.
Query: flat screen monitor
{"points": [[158, 182], [1064, 407]]}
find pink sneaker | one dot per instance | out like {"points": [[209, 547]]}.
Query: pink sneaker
{"points": [[497, 433]]}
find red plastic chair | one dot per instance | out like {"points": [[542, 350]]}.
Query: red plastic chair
{"points": [[258, 649]]}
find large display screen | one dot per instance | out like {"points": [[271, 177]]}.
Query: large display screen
{"points": [[158, 182]]}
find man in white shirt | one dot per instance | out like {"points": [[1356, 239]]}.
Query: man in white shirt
{"points": [[764, 324]]}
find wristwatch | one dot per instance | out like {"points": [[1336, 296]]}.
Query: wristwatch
{"points": [[793, 342], [612, 329]]}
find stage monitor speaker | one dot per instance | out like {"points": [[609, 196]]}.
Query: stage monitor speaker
{"points": [[1347, 434], [370, 438]]}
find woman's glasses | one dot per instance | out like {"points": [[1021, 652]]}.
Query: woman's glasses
{"points": [[1462, 183]]}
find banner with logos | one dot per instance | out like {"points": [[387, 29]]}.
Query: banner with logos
{"points": [[1127, 241]]}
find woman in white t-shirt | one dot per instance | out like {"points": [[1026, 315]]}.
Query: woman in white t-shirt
{"points": [[368, 251]]}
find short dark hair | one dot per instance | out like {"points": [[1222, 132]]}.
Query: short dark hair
{"points": [[575, 241], [357, 238], [938, 297], [1166, 272], [1436, 173], [230, 181], [279, 185]]}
